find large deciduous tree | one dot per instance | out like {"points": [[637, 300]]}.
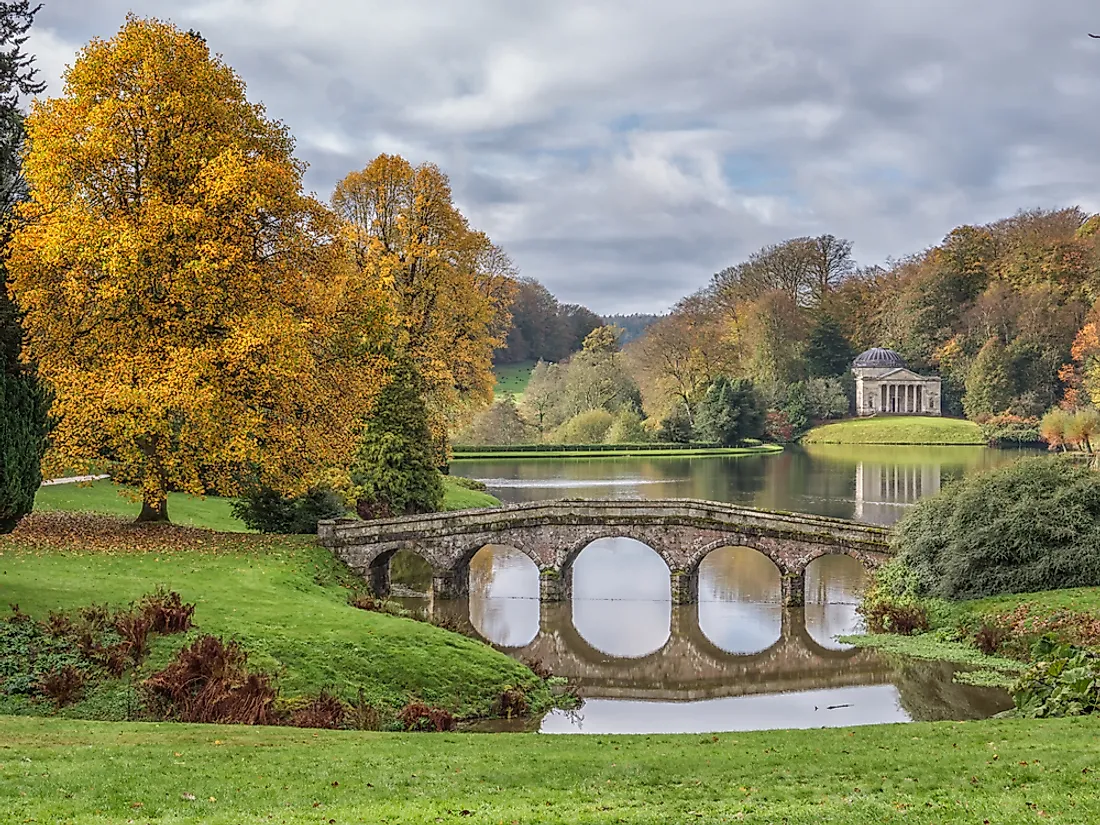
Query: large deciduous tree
{"points": [[449, 286], [191, 307]]}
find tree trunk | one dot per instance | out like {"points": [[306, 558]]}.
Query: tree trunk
{"points": [[154, 509]]}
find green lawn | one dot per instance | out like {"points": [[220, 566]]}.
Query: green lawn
{"points": [[211, 512], [972, 772], [107, 497], [457, 497], [898, 429], [281, 597], [626, 451], [513, 379]]}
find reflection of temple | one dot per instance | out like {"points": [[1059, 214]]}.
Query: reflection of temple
{"points": [[882, 489]]}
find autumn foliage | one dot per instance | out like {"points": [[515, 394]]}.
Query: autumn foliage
{"points": [[196, 313]]}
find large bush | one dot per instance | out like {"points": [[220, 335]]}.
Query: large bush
{"points": [[585, 428], [1033, 525], [268, 511], [729, 413]]}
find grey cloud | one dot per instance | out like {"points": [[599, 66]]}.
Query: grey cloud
{"points": [[624, 151]]}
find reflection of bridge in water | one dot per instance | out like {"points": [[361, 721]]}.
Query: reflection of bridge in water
{"points": [[688, 666]]}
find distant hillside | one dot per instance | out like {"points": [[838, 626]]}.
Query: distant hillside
{"points": [[634, 325]]}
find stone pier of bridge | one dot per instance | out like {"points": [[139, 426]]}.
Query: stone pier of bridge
{"points": [[552, 534]]}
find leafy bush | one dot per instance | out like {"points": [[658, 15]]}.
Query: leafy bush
{"points": [[269, 511], [1064, 681], [588, 427], [676, 429], [1011, 431], [989, 638], [889, 616], [1033, 525]]}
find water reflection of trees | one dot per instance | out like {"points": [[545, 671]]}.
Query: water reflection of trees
{"points": [[928, 694]]}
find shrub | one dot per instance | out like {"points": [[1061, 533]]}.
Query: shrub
{"points": [[362, 715], [627, 428], [269, 511], [989, 638], [1011, 431], [676, 429], [417, 716], [1033, 525], [209, 682], [324, 711], [730, 412], [62, 686], [888, 616], [778, 427], [538, 668], [1064, 681], [134, 628], [588, 427], [166, 612], [512, 702]]}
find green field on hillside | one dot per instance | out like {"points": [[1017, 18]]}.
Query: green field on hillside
{"points": [[945, 772], [897, 429], [513, 379]]}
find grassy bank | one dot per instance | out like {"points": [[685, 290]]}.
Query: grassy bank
{"points": [[512, 379], [898, 429], [285, 599], [625, 452], [994, 771], [211, 512]]}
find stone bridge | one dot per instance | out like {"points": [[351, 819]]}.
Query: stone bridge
{"points": [[553, 533]]}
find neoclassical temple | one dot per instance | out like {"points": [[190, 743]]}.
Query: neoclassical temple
{"points": [[884, 384]]}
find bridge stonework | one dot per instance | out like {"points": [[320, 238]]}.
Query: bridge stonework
{"points": [[553, 533]]}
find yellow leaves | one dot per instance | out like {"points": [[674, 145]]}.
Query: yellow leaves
{"points": [[193, 310]]}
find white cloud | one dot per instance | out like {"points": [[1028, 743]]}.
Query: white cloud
{"points": [[624, 151]]}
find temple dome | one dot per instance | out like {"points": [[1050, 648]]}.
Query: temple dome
{"points": [[878, 358]]}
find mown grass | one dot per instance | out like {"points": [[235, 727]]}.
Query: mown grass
{"points": [[512, 379], [998, 771], [111, 499], [283, 598], [457, 497], [211, 512], [898, 429]]}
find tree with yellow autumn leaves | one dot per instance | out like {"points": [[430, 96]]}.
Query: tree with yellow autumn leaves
{"points": [[197, 316], [450, 286]]}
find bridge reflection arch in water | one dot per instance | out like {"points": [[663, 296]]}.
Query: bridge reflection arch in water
{"points": [[621, 599], [834, 589], [504, 595], [739, 600]]}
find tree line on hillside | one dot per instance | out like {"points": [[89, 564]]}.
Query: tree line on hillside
{"points": [[193, 321], [1006, 313]]}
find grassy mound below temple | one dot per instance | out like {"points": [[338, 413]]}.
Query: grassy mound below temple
{"points": [[285, 599], [992, 771], [897, 429]]}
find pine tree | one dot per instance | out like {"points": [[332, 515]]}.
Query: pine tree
{"points": [[24, 402], [828, 353], [989, 383], [395, 467], [729, 413]]}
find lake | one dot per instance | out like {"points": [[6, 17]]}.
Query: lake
{"points": [[737, 660]]}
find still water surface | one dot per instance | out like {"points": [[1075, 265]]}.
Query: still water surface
{"points": [[737, 660]]}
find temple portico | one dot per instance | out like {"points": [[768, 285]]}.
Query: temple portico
{"points": [[884, 384]]}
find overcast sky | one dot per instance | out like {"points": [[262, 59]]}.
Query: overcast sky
{"points": [[623, 151]]}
